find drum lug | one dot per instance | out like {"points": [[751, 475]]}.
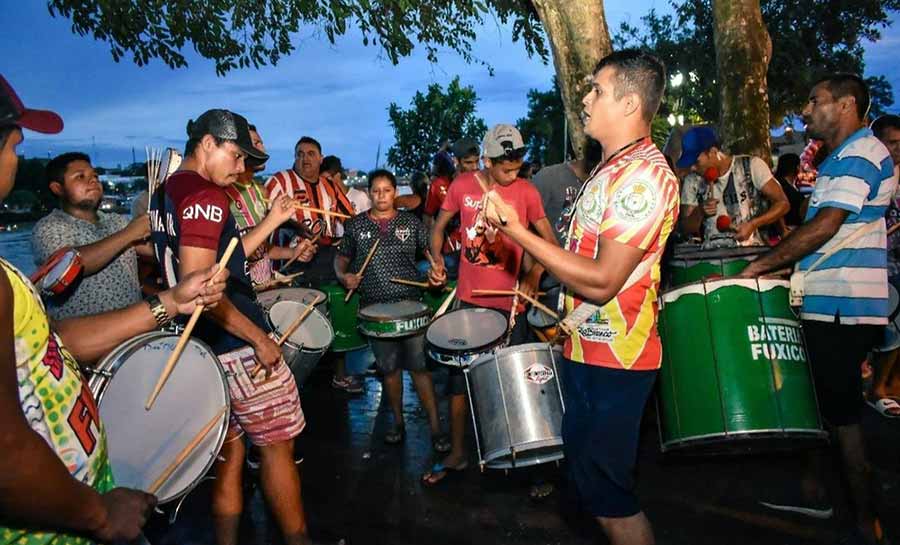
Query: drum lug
{"points": [[93, 371]]}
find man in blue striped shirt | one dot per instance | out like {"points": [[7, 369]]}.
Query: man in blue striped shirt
{"points": [[845, 303]]}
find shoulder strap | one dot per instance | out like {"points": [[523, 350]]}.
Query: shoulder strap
{"points": [[862, 231]]}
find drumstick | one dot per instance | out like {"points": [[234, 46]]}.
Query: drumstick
{"points": [[186, 334], [363, 268], [893, 228], [185, 452], [410, 282], [444, 306], [500, 292], [299, 320], [313, 240], [538, 305], [484, 188], [320, 211]]}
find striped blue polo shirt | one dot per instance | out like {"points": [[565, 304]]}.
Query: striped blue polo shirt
{"points": [[852, 283]]}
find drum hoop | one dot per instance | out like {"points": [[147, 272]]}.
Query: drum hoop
{"points": [[471, 349], [723, 253], [128, 348], [422, 313], [707, 287]]}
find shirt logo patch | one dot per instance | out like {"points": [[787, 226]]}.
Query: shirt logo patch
{"points": [[634, 202], [402, 234], [210, 212]]}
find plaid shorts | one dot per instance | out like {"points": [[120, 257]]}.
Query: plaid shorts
{"points": [[266, 409]]}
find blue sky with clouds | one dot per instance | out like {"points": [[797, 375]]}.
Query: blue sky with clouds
{"points": [[337, 93]]}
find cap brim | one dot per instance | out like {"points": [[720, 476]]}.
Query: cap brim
{"points": [[43, 121], [687, 160]]}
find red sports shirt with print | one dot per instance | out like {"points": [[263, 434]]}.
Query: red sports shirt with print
{"points": [[632, 200], [489, 259]]}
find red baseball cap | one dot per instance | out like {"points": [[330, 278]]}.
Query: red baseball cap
{"points": [[13, 112]]}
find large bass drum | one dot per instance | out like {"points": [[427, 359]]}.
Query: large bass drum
{"points": [[735, 375], [143, 443]]}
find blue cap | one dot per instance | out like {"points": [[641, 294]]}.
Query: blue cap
{"points": [[693, 143]]}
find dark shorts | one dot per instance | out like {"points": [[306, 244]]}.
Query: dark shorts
{"points": [[521, 334], [404, 353], [600, 430], [836, 352]]}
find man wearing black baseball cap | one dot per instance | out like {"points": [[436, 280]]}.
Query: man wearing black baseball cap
{"points": [[192, 225], [58, 485]]}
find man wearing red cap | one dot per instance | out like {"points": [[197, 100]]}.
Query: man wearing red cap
{"points": [[57, 486]]}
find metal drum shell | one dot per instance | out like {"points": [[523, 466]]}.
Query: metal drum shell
{"points": [[101, 380], [517, 405], [302, 357], [409, 318]]}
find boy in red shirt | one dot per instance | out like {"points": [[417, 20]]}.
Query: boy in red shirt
{"points": [[489, 260]]}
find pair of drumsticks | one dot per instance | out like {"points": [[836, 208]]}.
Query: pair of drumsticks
{"points": [[534, 302]]}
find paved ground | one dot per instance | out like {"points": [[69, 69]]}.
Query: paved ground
{"points": [[357, 487]]}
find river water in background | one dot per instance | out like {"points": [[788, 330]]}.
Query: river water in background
{"points": [[15, 247]]}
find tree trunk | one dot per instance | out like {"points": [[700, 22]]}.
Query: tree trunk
{"points": [[579, 38], [743, 51]]}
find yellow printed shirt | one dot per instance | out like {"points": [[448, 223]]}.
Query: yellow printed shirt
{"points": [[57, 403], [632, 200]]}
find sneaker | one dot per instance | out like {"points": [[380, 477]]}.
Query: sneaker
{"points": [[349, 384], [818, 509]]}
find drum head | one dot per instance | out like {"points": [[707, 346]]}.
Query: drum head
{"points": [[143, 443], [393, 311], [467, 329], [66, 262], [300, 295], [314, 333]]}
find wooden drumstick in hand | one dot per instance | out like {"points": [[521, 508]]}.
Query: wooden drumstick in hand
{"points": [[362, 269], [299, 320], [182, 341], [445, 305], [185, 452], [537, 304], [484, 198], [312, 240]]}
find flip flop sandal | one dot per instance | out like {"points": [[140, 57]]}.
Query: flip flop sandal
{"points": [[440, 443], [395, 436], [884, 406], [431, 478], [541, 491]]}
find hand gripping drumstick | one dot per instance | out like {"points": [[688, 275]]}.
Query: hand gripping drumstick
{"points": [[186, 334], [185, 452], [313, 240], [299, 206], [538, 305], [484, 199], [363, 268]]}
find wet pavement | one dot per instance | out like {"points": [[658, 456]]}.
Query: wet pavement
{"points": [[357, 487]]}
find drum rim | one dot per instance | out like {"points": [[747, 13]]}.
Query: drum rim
{"points": [[472, 349], [127, 348], [303, 348], [739, 436], [738, 251], [515, 349], [698, 286], [421, 313], [490, 461]]}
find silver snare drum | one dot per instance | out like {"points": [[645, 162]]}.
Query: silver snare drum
{"points": [[460, 336], [517, 406], [308, 343], [393, 320], [302, 295], [142, 443]]}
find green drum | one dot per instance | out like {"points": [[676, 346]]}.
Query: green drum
{"points": [[434, 298], [691, 266], [735, 375], [392, 320], [343, 318]]}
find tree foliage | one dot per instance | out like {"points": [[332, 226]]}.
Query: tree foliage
{"points": [[543, 127], [809, 39], [432, 119], [243, 33]]}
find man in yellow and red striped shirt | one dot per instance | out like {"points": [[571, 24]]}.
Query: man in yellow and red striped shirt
{"points": [[609, 266]]}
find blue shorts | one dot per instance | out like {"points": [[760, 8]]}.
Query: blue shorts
{"points": [[600, 431]]}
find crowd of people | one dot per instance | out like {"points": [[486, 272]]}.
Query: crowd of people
{"points": [[592, 231]]}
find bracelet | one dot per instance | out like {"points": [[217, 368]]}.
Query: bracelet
{"points": [[158, 309]]}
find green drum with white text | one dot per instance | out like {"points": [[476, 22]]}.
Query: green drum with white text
{"points": [[735, 374], [392, 320]]}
